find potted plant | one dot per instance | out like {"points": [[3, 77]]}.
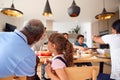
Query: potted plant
{"points": [[76, 30]]}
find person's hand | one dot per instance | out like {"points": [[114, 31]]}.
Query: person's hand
{"points": [[97, 39], [93, 37], [83, 48], [48, 69], [47, 61]]}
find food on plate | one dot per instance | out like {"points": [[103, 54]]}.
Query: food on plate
{"points": [[88, 52], [107, 54], [37, 53], [45, 53], [86, 55]]}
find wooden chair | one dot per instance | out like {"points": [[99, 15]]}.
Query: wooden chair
{"points": [[7, 78], [82, 73], [14, 78]]}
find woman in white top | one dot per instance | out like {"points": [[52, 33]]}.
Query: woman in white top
{"points": [[114, 41]]}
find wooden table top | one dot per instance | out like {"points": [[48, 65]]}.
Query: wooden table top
{"points": [[81, 59], [91, 59]]}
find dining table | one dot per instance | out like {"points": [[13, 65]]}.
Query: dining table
{"points": [[94, 58]]}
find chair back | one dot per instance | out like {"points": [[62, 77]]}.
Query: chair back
{"points": [[14, 78], [82, 73], [7, 78]]}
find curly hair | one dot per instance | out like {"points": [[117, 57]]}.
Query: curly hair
{"points": [[63, 46]]}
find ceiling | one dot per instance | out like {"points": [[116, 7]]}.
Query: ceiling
{"points": [[89, 8]]}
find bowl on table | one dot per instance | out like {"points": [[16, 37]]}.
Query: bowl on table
{"points": [[105, 55], [103, 51]]}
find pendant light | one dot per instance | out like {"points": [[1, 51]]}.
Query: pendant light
{"points": [[73, 10], [104, 15], [47, 10], [11, 11]]}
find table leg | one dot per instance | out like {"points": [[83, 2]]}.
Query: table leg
{"points": [[101, 67]]}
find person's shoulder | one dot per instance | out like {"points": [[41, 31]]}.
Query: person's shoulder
{"points": [[58, 63], [2, 34], [76, 43], [108, 35], [84, 44]]}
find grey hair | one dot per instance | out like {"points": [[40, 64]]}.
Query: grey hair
{"points": [[34, 27]]}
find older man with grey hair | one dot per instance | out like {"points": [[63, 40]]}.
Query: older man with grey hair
{"points": [[16, 56]]}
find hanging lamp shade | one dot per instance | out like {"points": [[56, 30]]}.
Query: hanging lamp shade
{"points": [[11, 11], [104, 15], [74, 10], [47, 10]]}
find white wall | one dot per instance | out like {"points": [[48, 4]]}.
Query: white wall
{"points": [[64, 27], [18, 22], [12, 20], [85, 29]]}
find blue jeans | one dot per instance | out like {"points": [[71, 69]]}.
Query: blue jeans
{"points": [[43, 72], [103, 76]]}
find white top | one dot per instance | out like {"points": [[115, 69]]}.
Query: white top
{"points": [[114, 41], [57, 63]]}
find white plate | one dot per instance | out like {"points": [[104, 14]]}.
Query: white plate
{"points": [[101, 56], [75, 56], [86, 55]]}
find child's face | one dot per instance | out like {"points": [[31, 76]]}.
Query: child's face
{"points": [[81, 40], [50, 46]]}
